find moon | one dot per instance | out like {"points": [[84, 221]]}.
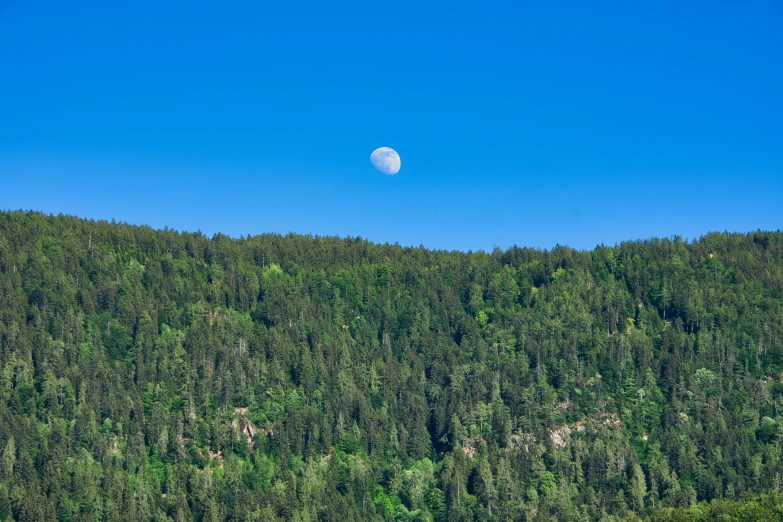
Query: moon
{"points": [[386, 160]]}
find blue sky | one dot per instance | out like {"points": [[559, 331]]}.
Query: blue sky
{"points": [[518, 123]]}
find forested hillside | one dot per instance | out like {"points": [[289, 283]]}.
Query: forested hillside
{"points": [[157, 375]]}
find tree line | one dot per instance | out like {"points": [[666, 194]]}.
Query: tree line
{"points": [[162, 375]]}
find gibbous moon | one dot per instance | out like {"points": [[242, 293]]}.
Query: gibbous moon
{"points": [[386, 160]]}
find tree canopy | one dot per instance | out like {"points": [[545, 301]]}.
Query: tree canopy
{"points": [[157, 375]]}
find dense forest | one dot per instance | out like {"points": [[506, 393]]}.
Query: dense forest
{"points": [[157, 375]]}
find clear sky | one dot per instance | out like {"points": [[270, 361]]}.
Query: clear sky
{"points": [[533, 124]]}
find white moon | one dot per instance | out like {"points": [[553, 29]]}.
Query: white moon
{"points": [[386, 160]]}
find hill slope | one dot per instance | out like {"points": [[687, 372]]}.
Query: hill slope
{"points": [[148, 375]]}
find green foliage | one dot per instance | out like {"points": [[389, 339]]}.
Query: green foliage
{"points": [[157, 375], [764, 508]]}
